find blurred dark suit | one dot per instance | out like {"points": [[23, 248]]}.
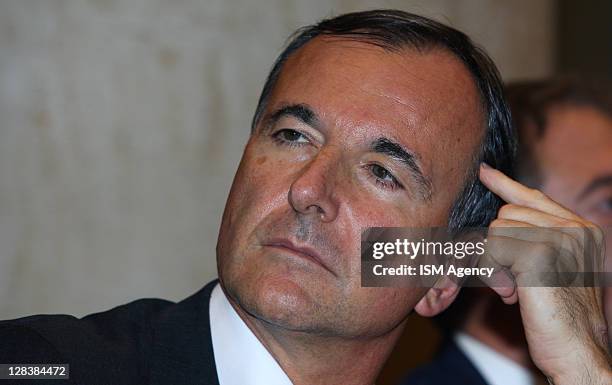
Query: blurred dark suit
{"points": [[149, 341], [450, 366]]}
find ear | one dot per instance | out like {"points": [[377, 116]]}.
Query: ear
{"points": [[438, 298]]}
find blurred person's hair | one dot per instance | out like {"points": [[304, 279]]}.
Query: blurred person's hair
{"points": [[395, 30], [531, 102]]}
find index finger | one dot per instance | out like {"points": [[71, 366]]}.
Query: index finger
{"points": [[513, 192]]}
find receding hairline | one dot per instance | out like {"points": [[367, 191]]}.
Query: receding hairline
{"points": [[399, 49]]}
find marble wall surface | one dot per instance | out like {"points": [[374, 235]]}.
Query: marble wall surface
{"points": [[122, 123]]}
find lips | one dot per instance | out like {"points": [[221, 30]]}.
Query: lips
{"points": [[302, 251]]}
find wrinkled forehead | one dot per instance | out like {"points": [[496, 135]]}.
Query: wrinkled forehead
{"points": [[428, 99], [394, 72]]}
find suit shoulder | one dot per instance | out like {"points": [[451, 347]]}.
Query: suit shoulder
{"points": [[128, 318], [427, 375], [115, 342], [22, 344], [113, 324]]}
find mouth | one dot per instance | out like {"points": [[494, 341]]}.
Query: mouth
{"points": [[302, 251]]}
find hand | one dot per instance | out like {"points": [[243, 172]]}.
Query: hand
{"points": [[565, 327]]}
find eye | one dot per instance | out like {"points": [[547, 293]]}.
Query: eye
{"points": [[605, 206], [384, 177], [289, 137]]}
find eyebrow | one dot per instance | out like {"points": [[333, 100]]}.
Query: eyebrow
{"points": [[602, 181], [302, 112], [407, 158]]}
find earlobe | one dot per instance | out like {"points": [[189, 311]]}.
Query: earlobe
{"points": [[438, 298]]}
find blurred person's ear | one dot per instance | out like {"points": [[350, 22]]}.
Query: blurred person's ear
{"points": [[438, 298]]}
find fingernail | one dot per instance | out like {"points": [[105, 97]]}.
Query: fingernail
{"points": [[485, 165]]}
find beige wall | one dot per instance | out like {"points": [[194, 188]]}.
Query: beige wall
{"points": [[122, 122]]}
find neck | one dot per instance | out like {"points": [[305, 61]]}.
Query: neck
{"points": [[313, 359]]}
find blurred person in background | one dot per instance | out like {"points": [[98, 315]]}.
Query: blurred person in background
{"points": [[565, 150]]}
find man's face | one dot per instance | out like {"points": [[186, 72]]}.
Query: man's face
{"points": [[575, 159], [353, 136]]}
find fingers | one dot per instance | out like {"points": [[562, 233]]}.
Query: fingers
{"points": [[565, 247], [523, 254], [534, 216], [542, 219], [501, 281], [513, 192], [535, 241], [532, 263]]}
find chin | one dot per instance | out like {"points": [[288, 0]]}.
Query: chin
{"points": [[283, 302], [279, 292]]}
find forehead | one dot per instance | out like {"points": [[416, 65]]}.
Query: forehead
{"points": [[352, 74], [577, 141]]}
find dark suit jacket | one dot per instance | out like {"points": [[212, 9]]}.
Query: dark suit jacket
{"points": [[149, 341], [450, 366]]}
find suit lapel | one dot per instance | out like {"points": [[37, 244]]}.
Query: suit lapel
{"points": [[459, 365]]}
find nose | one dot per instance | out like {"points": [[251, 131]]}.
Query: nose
{"points": [[312, 192]]}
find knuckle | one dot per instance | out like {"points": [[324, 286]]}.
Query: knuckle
{"points": [[545, 250], [596, 231], [570, 223], [538, 195], [505, 210], [572, 241], [599, 234]]}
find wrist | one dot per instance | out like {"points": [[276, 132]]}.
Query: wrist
{"points": [[596, 372]]}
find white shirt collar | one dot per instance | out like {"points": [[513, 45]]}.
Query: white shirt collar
{"points": [[494, 367], [240, 358]]}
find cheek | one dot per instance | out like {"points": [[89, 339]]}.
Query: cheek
{"points": [[256, 190], [390, 214], [385, 307]]}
